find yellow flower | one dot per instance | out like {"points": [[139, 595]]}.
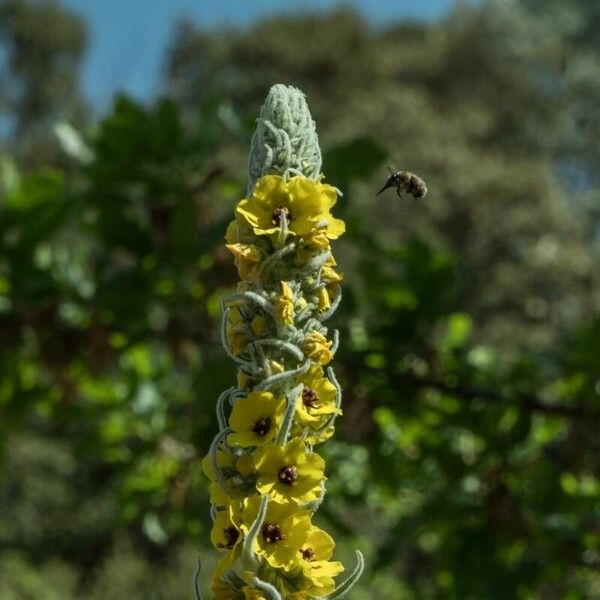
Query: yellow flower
{"points": [[319, 546], [283, 533], [247, 257], [312, 244], [289, 473], [313, 434], [315, 553], [237, 335], [317, 240], [330, 275], [284, 307], [317, 399], [332, 280], [321, 576], [225, 533], [318, 347], [313, 575], [317, 437], [323, 301], [304, 203], [255, 419]]}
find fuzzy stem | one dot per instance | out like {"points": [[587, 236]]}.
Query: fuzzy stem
{"points": [[263, 586], [197, 592], [279, 378], [350, 581], [288, 419], [248, 556], [281, 345], [221, 418]]}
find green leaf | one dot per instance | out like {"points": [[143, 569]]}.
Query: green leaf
{"points": [[458, 330], [43, 187]]}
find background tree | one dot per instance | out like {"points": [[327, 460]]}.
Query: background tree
{"points": [[42, 46]]}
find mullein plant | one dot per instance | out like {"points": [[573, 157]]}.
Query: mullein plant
{"points": [[267, 478]]}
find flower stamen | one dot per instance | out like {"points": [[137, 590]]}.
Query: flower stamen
{"points": [[278, 212], [272, 533], [262, 426], [310, 398], [288, 475], [307, 553], [231, 535]]}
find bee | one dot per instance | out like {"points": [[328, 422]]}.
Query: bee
{"points": [[405, 181]]}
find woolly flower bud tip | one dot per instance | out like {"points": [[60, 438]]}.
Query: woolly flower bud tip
{"points": [[285, 141]]}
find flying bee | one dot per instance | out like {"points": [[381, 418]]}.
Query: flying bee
{"points": [[405, 181]]}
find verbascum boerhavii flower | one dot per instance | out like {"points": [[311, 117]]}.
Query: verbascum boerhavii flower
{"points": [[267, 479]]}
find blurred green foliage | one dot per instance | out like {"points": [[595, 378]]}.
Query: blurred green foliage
{"points": [[467, 461]]}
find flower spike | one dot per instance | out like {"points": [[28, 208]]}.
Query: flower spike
{"points": [[267, 480]]}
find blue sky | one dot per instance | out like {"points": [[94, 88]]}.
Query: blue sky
{"points": [[129, 38]]}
